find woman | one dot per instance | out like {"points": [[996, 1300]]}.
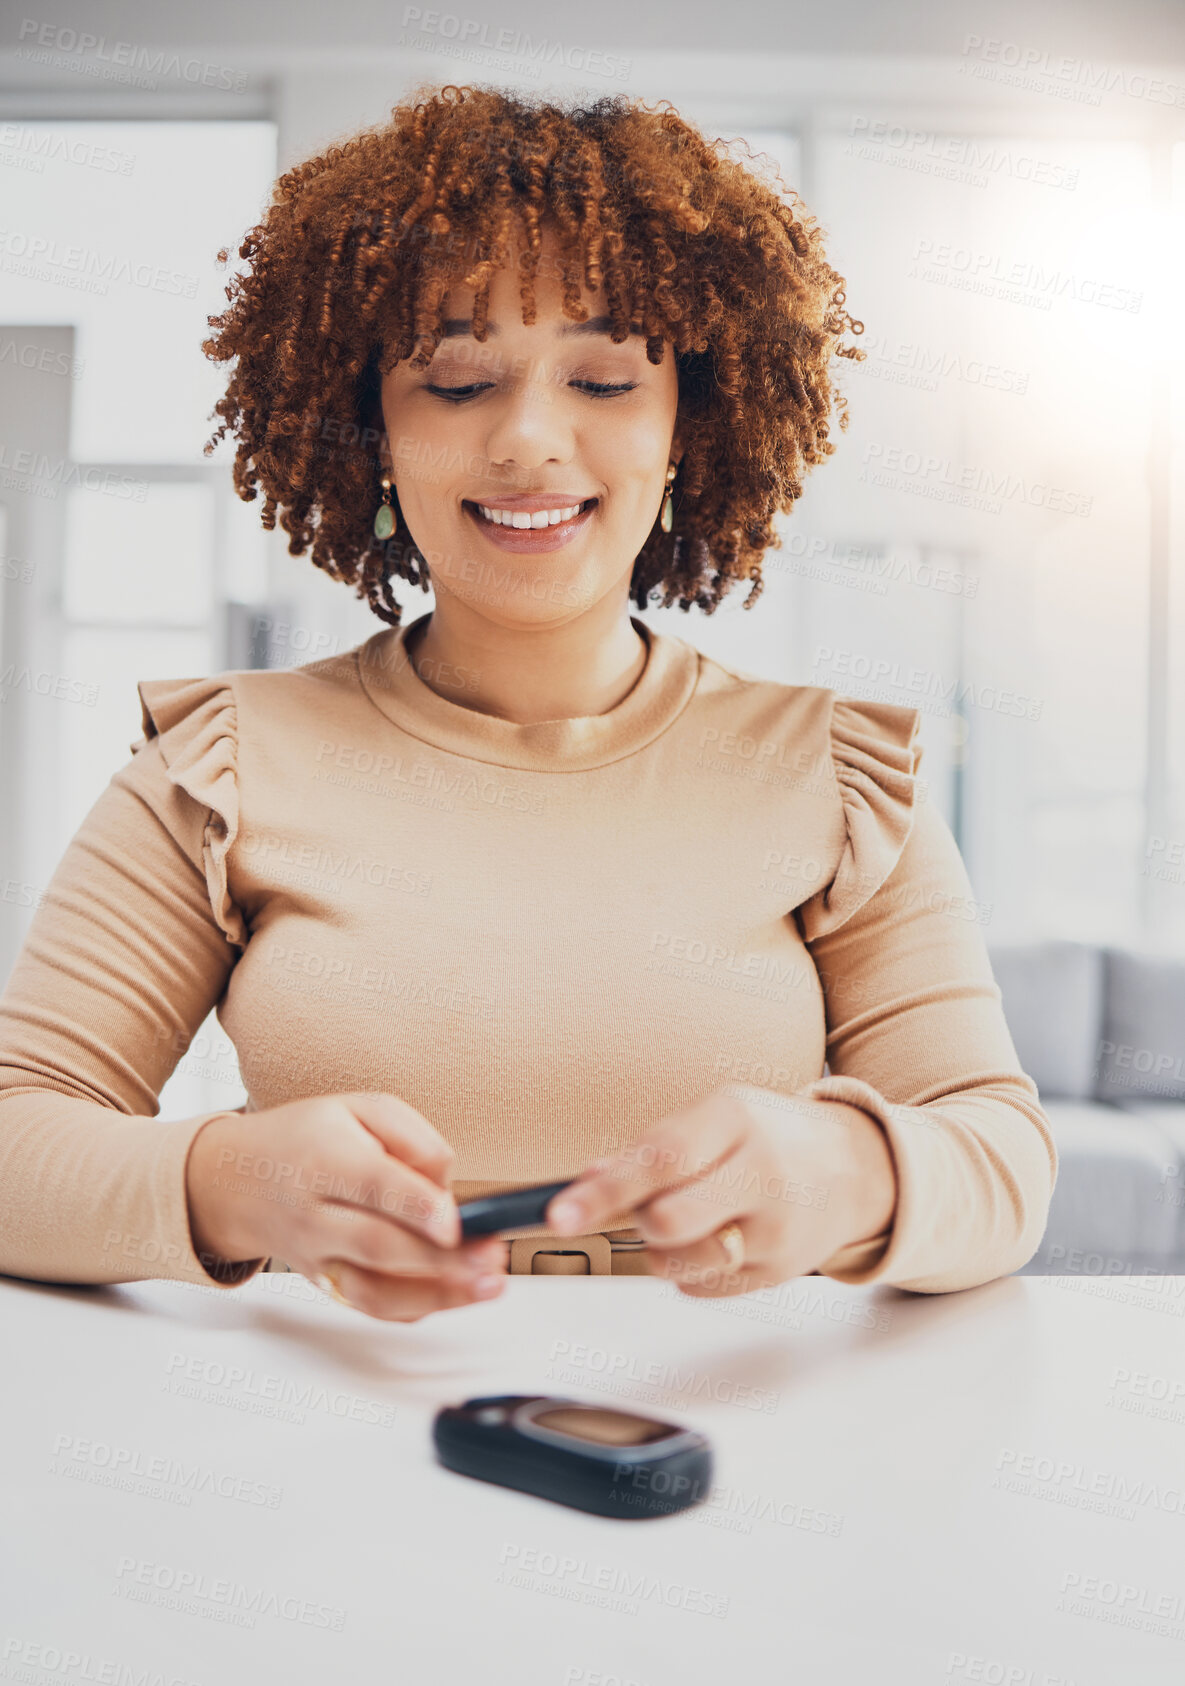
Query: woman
{"points": [[523, 889]]}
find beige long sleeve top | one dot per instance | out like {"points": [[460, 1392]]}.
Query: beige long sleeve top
{"points": [[545, 937]]}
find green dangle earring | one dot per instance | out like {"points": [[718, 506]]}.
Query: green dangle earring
{"points": [[384, 520]]}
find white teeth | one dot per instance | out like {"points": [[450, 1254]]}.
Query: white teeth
{"points": [[520, 518]]}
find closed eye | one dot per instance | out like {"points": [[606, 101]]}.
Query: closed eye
{"points": [[602, 389], [594, 389], [457, 393]]}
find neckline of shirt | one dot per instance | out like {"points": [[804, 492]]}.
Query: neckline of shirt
{"points": [[658, 696]]}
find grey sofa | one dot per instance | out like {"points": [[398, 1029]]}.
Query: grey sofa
{"points": [[1101, 1031]]}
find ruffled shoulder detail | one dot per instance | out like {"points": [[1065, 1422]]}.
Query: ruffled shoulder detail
{"points": [[196, 721], [875, 755]]}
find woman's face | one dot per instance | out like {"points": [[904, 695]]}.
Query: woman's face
{"points": [[530, 469]]}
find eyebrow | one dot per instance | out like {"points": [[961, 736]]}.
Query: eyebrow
{"points": [[458, 325]]}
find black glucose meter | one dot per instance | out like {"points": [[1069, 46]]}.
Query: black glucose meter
{"points": [[609, 1462]]}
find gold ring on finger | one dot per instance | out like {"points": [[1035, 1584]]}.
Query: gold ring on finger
{"points": [[733, 1242], [328, 1283]]}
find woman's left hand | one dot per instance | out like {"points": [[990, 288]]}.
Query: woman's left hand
{"points": [[798, 1178]]}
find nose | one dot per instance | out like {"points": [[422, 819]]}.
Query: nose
{"points": [[528, 424]]}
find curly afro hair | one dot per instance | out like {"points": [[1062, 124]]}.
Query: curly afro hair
{"points": [[348, 270]]}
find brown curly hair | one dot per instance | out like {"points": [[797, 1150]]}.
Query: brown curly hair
{"points": [[347, 275]]}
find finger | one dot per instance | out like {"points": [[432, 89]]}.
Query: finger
{"points": [[404, 1132], [402, 1300], [711, 1284], [676, 1151], [366, 1176], [370, 1242], [701, 1208], [704, 1267]]}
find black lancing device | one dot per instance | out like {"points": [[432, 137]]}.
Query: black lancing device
{"points": [[519, 1209]]}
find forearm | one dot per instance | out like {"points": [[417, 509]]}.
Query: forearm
{"points": [[91, 1195], [974, 1175]]}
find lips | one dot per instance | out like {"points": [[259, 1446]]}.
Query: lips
{"points": [[554, 520]]}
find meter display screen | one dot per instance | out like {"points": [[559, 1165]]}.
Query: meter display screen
{"points": [[609, 1428]]}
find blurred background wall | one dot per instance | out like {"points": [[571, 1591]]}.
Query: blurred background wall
{"points": [[997, 541]]}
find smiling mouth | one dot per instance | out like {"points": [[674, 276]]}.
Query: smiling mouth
{"points": [[530, 530], [525, 521]]}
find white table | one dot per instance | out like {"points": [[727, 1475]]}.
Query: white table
{"points": [[239, 1487]]}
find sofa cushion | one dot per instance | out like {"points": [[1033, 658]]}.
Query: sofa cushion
{"points": [[1052, 994], [1141, 1051], [1168, 1119], [1109, 1210]]}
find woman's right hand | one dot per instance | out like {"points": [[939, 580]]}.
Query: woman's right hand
{"points": [[350, 1184]]}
